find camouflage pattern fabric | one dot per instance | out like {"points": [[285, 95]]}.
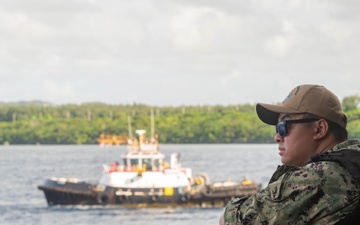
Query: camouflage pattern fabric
{"points": [[317, 193]]}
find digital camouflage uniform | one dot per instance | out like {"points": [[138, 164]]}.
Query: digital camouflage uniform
{"points": [[317, 193]]}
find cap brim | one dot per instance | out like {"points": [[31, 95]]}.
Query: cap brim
{"points": [[269, 114]]}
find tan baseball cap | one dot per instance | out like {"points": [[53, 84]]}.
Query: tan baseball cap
{"points": [[307, 98]]}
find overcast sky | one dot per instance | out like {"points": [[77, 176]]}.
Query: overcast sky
{"points": [[176, 52]]}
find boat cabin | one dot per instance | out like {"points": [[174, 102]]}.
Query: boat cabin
{"points": [[143, 161]]}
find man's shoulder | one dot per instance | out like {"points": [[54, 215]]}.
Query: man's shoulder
{"points": [[325, 168], [324, 177], [346, 160], [352, 144], [318, 170], [313, 171], [315, 174]]}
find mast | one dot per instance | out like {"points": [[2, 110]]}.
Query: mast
{"points": [[152, 124], [129, 127]]}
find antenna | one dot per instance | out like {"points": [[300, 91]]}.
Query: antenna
{"points": [[152, 123], [129, 127]]}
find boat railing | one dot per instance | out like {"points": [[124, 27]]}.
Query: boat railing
{"points": [[145, 148]]}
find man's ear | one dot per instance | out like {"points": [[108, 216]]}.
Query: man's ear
{"points": [[321, 128]]}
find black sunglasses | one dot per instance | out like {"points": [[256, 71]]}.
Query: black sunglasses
{"points": [[281, 127]]}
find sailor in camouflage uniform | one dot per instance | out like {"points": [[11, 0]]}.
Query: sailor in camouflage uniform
{"points": [[318, 182]]}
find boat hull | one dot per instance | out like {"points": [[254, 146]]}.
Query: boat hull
{"points": [[59, 192], [68, 193]]}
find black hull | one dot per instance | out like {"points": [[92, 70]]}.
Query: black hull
{"points": [[68, 193], [71, 193]]}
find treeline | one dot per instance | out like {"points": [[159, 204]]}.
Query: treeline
{"points": [[43, 123]]}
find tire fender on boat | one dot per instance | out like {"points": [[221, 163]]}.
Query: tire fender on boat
{"points": [[155, 198], [103, 198], [185, 197]]}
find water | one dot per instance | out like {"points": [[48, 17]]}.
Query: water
{"points": [[23, 168]]}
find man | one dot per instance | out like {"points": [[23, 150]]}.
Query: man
{"points": [[318, 182]]}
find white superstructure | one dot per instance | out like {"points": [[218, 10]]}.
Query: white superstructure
{"points": [[143, 167]]}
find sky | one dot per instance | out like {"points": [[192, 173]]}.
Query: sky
{"points": [[177, 52]]}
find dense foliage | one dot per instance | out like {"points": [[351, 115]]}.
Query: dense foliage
{"points": [[40, 123]]}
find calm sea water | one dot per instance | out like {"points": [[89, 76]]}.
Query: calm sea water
{"points": [[23, 168]]}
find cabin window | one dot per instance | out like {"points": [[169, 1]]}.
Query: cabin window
{"points": [[157, 163], [134, 162], [148, 164]]}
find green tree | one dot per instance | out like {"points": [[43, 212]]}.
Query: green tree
{"points": [[351, 102]]}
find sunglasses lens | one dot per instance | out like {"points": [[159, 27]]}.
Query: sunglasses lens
{"points": [[281, 128]]}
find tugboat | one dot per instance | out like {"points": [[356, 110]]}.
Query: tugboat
{"points": [[143, 179]]}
